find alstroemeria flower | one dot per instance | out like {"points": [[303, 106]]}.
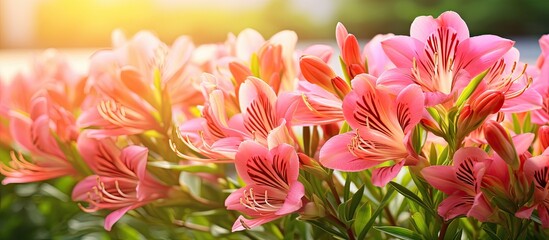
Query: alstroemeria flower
{"points": [[121, 183], [275, 57], [541, 83], [383, 124], [440, 56], [272, 190], [536, 170], [36, 134], [138, 83], [462, 183], [262, 119]]}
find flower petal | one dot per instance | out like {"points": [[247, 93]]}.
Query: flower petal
{"points": [[293, 201], [335, 154], [246, 152], [383, 175]]}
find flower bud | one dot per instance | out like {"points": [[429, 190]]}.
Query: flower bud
{"points": [[474, 114], [502, 143], [341, 87], [487, 103], [431, 126], [317, 72], [312, 166], [313, 210]]}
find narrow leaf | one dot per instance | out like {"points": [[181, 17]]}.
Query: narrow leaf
{"points": [[399, 232], [411, 196], [470, 88], [382, 204]]}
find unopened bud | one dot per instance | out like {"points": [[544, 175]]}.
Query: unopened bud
{"points": [[313, 210], [473, 115], [431, 126], [312, 166], [341, 87], [317, 71], [487, 103], [502, 143]]}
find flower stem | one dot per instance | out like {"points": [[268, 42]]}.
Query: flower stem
{"points": [[390, 217], [443, 229], [331, 184]]}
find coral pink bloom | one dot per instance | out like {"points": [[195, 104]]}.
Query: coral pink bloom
{"points": [[37, 134], [138, 83], [383, 124], [537, 171], [440, 56], [541, 83], [272, 190], [262, 119], [462, 183], [263, 113], [121, 183], [275, 57], [213, 135]]}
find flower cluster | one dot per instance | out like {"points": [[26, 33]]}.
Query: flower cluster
{"points": [[457, 125]]}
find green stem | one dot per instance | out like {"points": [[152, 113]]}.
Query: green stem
{"points": [[331, 184]]}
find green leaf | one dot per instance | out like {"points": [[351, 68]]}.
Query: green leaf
{"points": [[347, 188], [453, 231], [206, 168], [412, 197], [363, 214], [516, 124], [470, 88], [422, 188], [399, 232], [421, 225], [328, 229], [382, 204], [491, 233], [354, 203], [345, 128], [254, 65], [344, 70]]}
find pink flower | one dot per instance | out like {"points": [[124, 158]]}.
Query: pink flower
{"points": [[138, 83], [272, 190], [383, 124], [275, 57], [536, 170], [440, 56], [262, 118], [541, 83], [462, 183], [38, 134], [121, 183]]}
